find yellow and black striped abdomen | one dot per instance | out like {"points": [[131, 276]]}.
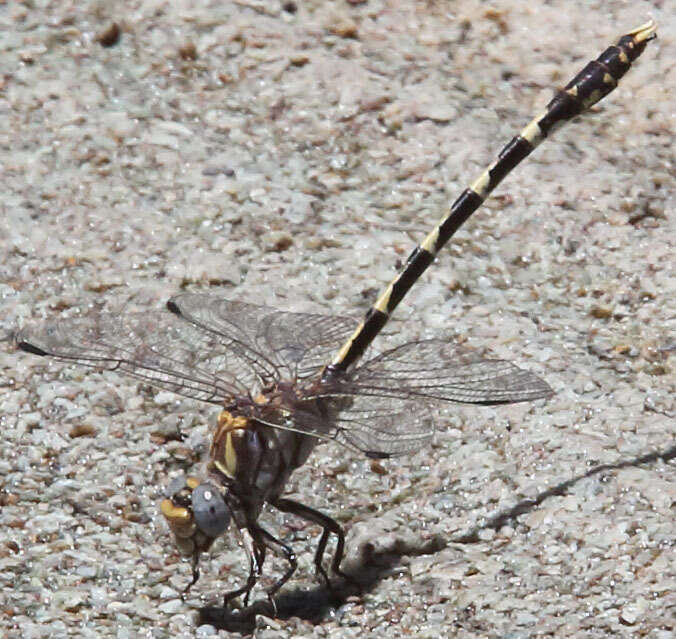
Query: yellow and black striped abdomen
{"points": [[595, 81]]}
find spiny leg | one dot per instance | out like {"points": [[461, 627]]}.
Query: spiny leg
{"points": [[256, 556], [328, 526], [195, 574], [264, 539]]}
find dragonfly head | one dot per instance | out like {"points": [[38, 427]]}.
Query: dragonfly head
{"points": [[196, 513]]}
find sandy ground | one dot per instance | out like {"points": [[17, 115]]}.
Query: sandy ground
{"points": [[292, 154]]}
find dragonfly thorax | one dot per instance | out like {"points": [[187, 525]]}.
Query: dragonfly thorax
{"points": [[251, 457]]}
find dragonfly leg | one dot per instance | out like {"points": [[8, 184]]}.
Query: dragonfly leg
{"points": [[328, 526], [263, 540], [195, 574], [255, 553]]}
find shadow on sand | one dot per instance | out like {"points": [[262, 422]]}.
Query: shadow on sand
{"points": [[316, 605]]}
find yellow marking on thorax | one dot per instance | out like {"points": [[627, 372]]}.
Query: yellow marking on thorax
{"points": [[223, 452], [227, 422]]}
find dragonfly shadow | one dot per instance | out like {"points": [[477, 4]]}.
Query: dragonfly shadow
{"points": [[314, 605], [317, 604]]}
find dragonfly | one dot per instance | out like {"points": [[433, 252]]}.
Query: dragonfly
{"points": [[283, 387]]}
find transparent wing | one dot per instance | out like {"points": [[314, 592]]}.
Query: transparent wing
{"points": [[155, 347], [386, 406], [215, 350], [295, 345], [381, 426], [439, 370], [206, 348]]}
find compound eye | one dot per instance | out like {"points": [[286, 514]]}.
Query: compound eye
{"points": [[211, 514]]}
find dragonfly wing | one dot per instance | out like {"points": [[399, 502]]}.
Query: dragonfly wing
{"points": [[383, 427], [286, 344], [156, 347], [386, 406], [439, 370], [377, 426]]}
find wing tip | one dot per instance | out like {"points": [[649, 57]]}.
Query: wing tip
{"points": [[543, 390], [375, 454], [23, 345]]}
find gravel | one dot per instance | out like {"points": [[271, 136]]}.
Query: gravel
{"points": [[292, 153]]}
